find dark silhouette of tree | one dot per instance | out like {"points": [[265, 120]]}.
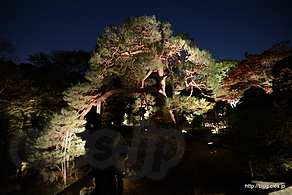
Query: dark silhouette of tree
{"points": [[254, 98], [282, 83], [58, 70], [30, 93], [68, 61], [7, 49]]}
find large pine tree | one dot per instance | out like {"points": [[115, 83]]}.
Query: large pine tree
{"points": [[141, 56]]}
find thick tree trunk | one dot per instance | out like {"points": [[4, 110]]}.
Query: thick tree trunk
{"points": [[168, 116], [96, 101], [160, 90]]}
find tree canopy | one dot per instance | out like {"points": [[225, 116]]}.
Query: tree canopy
{"points": [[282, 74], [68, 61], [7, 49], [256, 70], [30, 93], [142, 56]]}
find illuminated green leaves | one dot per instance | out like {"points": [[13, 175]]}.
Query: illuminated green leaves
{"points": [[189, 104]]}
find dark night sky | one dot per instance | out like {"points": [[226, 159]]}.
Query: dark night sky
{"points": [[227, 28]]}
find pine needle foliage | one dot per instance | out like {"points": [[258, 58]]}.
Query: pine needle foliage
{"points": [[77, 96], [143, 56], [57, 145]]}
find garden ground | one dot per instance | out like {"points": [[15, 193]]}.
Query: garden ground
{"points": [[199, 172]]}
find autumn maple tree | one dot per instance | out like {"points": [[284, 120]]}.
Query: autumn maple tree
{"points": [[255, 70]]}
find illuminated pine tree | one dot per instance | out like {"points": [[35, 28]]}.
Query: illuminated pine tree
{"points": [[58, 145], [140, 57]]}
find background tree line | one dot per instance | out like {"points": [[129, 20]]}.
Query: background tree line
{"points": [[30, 96]]}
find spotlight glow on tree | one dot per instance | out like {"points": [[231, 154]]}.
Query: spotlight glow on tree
{"points": [[58, 145], [142, 56]]}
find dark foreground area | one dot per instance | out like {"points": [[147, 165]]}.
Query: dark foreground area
{"points": [[199, 172]]}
